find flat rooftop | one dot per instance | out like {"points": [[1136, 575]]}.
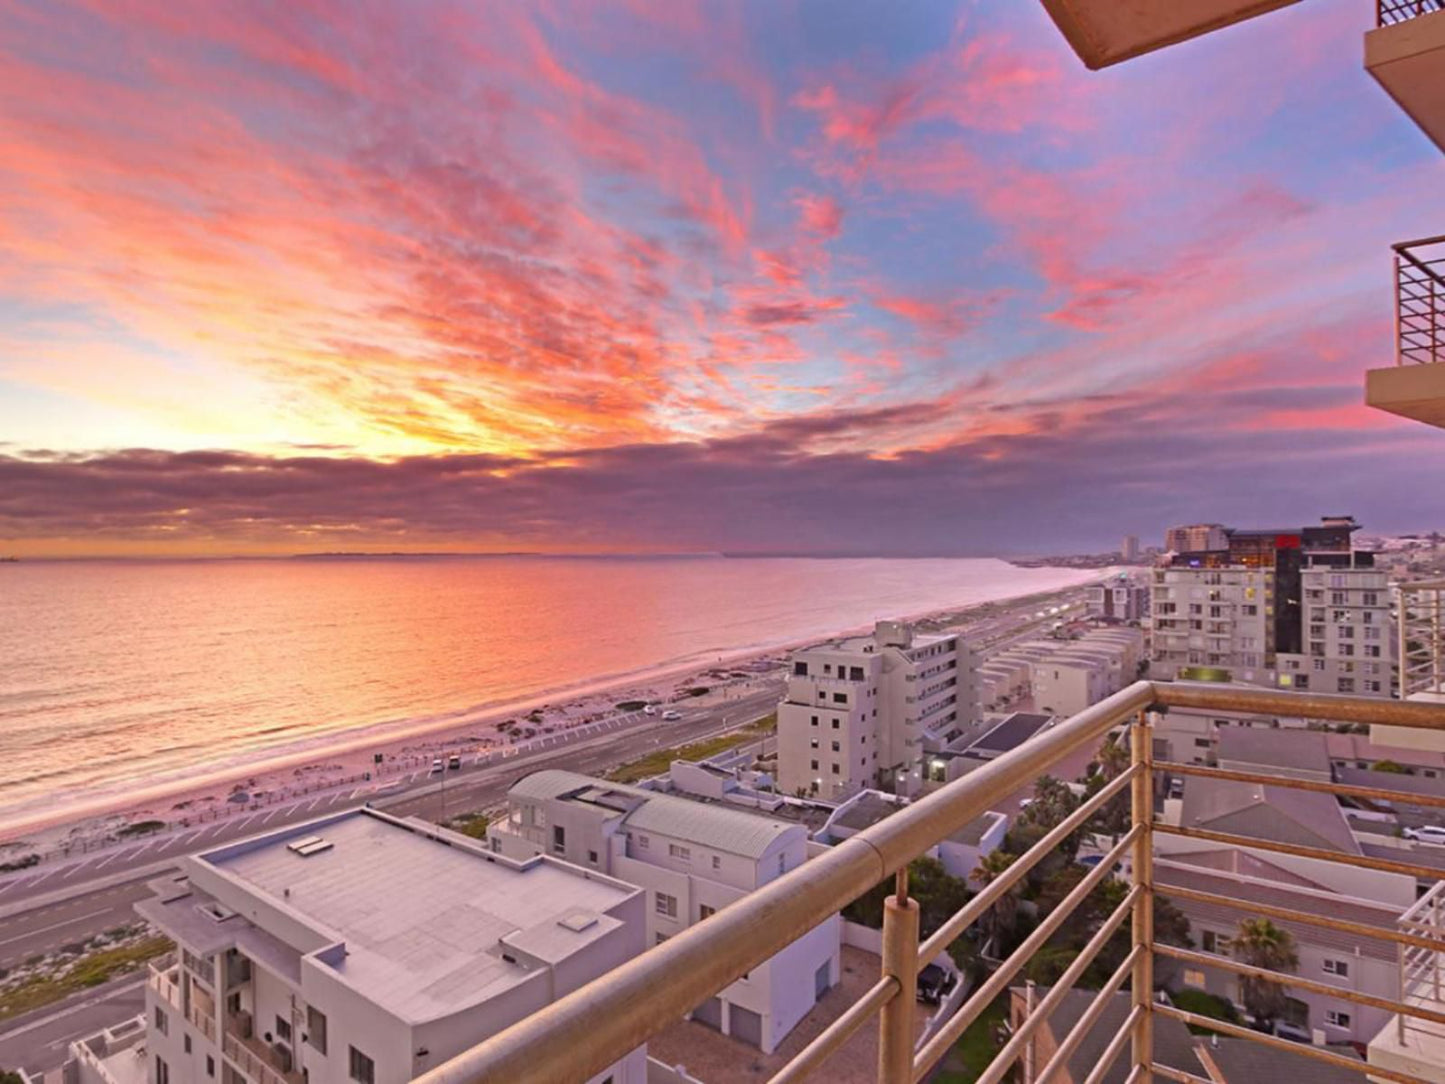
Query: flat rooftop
{"points": [[424, 922]]}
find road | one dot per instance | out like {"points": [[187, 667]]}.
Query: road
{"points": [[39, 1041]]}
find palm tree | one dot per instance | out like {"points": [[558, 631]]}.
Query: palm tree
{"points": [[1113, 759], [1000, 918], [1260, 943]]}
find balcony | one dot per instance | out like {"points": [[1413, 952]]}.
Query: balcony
{"points": [[579, 1035], [164, 977], [1104, 32], [1421, 608], [255, 1060], [1406, 53], [1414, 387]]}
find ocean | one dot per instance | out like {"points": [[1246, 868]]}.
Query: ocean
{"points": [[114, 674]]}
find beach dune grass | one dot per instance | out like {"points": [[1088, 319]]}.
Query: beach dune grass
{"points": [[656, 763], [92, 970]]}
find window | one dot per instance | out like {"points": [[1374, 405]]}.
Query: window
{"points": [[835, 724], [210, 1065], [163, 1025], [679, 851], [814, 764], [1202, 743], [1319, 664], [1194, 979], [836, 770], [716, 862], [666, 905], [840, 698], [837, 747], [1214, 942], [800, 669], [855, 673], [1338, 1019], [186, 1043], [642, 843], [163, 1071], [813, 743], [704, 911], [812, 720], [659, 939], [559, 839], [1302, 682], [592, 857], [827, 668], [1347, 685], [1337, 967], [363, 1069], [316, 1029], [283, 1029]]}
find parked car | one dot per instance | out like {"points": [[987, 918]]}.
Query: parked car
{"points": [[648, 709], [437, 765], [1426, 833], [934, 983], [455, 762], [671, 716]]}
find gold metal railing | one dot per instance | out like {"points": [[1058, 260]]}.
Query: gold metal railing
{"points": [[581, 1034]]}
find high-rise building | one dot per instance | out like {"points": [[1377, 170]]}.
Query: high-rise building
{"points": [[862, 712], [1293, 608], [1196, 538], [1129, 550]]}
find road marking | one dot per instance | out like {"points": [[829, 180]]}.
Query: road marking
{"points": [[108, 860], [55, 925], [269, 815], [115, 992]]}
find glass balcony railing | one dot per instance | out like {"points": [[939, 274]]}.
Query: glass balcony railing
{"points": [[583, 1033]]}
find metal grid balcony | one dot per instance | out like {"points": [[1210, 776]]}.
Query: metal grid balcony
{"points": [[581, 1034], [1421, 627], [1390, 12], [1420, 297]]}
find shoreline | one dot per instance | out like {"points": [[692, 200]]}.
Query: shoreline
{"points": [[337, 755]]}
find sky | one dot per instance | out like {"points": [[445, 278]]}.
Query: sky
{"points": [[812, 276]]}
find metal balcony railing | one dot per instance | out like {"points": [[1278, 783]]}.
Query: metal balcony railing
{"points": [[1420, 625], [581, 1034], [1420, 298], [1390, 12]]}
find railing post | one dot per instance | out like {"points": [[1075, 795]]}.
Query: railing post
{"points": [[900, 959], [1141, 751], [1399, 316]]}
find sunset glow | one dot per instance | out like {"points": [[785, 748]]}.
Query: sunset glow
{"points": [[686, 277]]}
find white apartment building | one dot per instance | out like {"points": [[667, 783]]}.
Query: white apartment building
{"points": [[1065, 676], [365, 949], [863, 712], [692, 858], [1212, 624], [1348, 645]]}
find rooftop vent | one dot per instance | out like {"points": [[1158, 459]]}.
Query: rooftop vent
{"points": [[309, 846], [216, 912], [577, 921]]}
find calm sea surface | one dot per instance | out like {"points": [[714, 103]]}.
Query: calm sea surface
{"points": [[113, 674]]}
